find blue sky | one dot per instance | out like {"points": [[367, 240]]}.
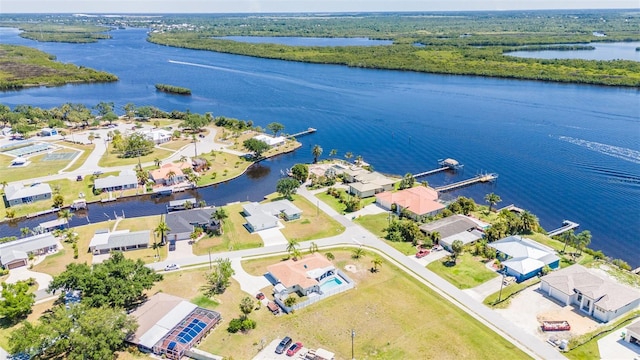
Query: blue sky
{"points": [[252, 6]]}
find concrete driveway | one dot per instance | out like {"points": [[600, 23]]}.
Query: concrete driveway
{"points": [[371, 209], [613, 346], [272, 237], [183, 250], [248, 283], [481, 291], [23, 273]]}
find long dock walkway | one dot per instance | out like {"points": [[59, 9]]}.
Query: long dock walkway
{"points": [[302, 133], [566, 226], [431, 172], [480, 178]]}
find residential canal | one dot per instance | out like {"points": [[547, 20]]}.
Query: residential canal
{"points": [[562, 151]]}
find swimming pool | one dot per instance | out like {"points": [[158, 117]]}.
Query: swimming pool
{"points": [[331, 283]]}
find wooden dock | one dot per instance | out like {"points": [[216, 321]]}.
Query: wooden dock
{"points": [[480, 178], [302, 133], [566, 226], [431, 172], [446, 164]]}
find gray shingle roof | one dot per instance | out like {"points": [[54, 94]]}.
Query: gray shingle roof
{"points": [[126, 177], [183, 221], [126, 239], [13, 192], [26, 245], [449, 226]]}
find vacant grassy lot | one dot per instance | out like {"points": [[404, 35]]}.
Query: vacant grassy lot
{"points": [[374, 223], [224, 166], [382, 309], [469, 271], [313, 224], [235, 236], [36, 168], [337, 205], [110, 158], [176, 144]]}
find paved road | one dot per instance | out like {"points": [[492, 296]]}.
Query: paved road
{"points": [[355, 235]]}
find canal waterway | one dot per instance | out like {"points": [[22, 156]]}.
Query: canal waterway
{"points": [[602, 51], [563, 151]]}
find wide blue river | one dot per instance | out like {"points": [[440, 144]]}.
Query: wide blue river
{"points": [[562, 151]]}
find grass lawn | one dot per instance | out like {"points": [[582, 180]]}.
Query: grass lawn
{"points": [[224, 166], [467, 273], [176, 144], [235, 236], [374, 223], [385, 324], [110, 159], [313, 224], [508, 291], [37, 167], [337, 205], [86, 151]]}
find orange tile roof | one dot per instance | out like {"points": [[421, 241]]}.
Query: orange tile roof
{"points": [[165, 169], [300, 272], [419, 200]]}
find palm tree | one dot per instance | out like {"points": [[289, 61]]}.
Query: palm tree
{"points": [[333, 152], [357, 253], [295, 254], [183, 158], [66, 215], [492, 199], [436, 237], [313, 247], [162, 229], [316, 151], [348, 155], [568, 237], [4, 184], [24, 231], [157, 161], [359, 159], [528, 221], [220, 214], [583, 239], [170, 175], [202, 203], [292, 246], [377, 261]]}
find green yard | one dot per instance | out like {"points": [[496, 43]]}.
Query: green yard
{"points": [[468, 272], [376, 224], [382, 310], [313, 224], [337, 205], [235, 236], [37, 167], [110, 158]]}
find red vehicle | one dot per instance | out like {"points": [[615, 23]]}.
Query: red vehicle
{"points": [[294, 349], [259, 296], [422, 253]]}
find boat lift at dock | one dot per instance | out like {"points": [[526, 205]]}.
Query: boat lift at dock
{"points": [[446, 164]]}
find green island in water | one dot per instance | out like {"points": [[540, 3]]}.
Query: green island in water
{"points": [[173, 89]]}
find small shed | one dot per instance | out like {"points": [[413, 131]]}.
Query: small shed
{"points": [[19, 161], [48, 132]]}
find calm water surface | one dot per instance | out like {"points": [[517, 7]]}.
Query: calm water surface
{"points": [[307, 41], [602, 51], [562, 151]]}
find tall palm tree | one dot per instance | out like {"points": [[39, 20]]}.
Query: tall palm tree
{"points": [[316, 151], [583, 239], [183, 158], [359, 159], [170, 175], [292, 246], [66, 215], [348, 155], [492, 199], [568, 238], [157, 161], [377, 261], [24, 231], [162, 229], [333, 152], [313, 247], [528, 221], [220, 214]]}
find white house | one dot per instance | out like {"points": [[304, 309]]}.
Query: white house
{"points": [[633, 333], [126, 180], [524, 258], [266, 216], [271, 140], [599, 297], [158, 136], [104, 241], [371, 183]]}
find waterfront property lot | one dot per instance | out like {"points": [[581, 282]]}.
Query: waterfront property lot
{"points": [[383, 309], [224, 166], [376, 224], [150, 223], [234, 237], [110, 159], [469, 271], [313, 224], [337, 205]]}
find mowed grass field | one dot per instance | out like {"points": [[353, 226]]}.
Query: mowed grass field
{"points": [[468, 272], [394, 316]]}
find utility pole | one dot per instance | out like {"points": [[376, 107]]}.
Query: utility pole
{"points": [[210, 259], [353, 335], [501, 286]]}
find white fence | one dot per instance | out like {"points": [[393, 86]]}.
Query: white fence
{"points": [[338, 289]]}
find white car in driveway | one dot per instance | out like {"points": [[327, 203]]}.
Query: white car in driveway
{"points": [[172, 267]]}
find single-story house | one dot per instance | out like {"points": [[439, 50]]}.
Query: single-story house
{"points": [[48, 132], [456, 227], [419, 201], [633, 333], [266, 216], [371, 183], [18, 194], [349, 173], [103, 241], [601, 298], [271, 140], [16, 253], [182, 223], [199, 164], [126, 180], [158, 136], [302, 276], [466, 237], [169, 326], [169, 174], [524, 258]]}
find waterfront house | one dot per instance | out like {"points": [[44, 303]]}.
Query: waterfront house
{"points": [[183, 223], [169, 174], [633, 333], [104, 241], [371, 183], [19, 194], [16, 253], [271, 140], [48, 132], [524, 258], [199, 164], [126, 180], [169, 326], [267, 215], [456, 227], [599, 297], [418, 202], [158, 136], [302, 276]]}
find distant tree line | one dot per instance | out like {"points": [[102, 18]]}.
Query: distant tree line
{"points": [[173, 89]]}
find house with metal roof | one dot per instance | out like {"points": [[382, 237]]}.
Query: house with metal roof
{"points": [[19, 194], [271, 140], [267, 215], [524, 258], [104, 241], [599, 297], [16, 253], [169, 326], [183, 223], [126, 180]]}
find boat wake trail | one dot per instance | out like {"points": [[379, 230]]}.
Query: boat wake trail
{"points": [[610, 150], [211, 67]]}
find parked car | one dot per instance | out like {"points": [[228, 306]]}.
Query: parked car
{"points": [[79, 178], [172, 267], [284, 344], [294, 349], [259, 296], [422, 253]]}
